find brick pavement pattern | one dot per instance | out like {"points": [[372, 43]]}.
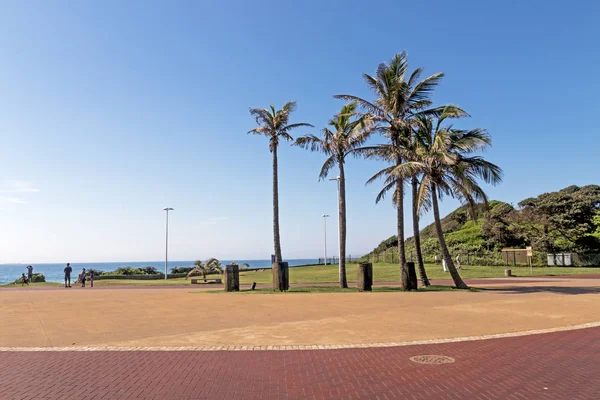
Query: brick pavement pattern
{"points": [[560, 365]]}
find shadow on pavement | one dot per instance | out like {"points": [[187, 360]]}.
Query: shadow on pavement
{"points": [[547, 289]]}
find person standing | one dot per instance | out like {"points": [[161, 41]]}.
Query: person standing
{"points": [[82, 277], [30, 273], [91, 278], [68, 271], [444, 264], [458, 261]]}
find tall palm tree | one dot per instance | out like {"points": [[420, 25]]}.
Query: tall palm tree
{"points": [[274, 125], [399, 98], [346, 133], [444, 156], [212, 265], [416, 215]]}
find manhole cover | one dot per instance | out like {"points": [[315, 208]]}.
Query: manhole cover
{"points": [[432, 359]]}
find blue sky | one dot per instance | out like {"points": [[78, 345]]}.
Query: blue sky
{"points": [[112, 110]]}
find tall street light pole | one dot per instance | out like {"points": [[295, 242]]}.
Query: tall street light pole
{"points": [[337, 178], [325, 216], [167, 240]]}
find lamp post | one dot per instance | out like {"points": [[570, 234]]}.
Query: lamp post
{"points": [[337, 178], [167, 209], [325, 216]]}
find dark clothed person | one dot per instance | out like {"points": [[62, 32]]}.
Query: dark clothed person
{"points": [[68, 271]]}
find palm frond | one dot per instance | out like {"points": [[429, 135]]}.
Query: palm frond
{"points": [[312, 143], [384, 191], [423, 90], [329, 163], [367, 105], [382, 173]]}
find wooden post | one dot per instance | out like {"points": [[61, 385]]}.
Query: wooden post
{"points": [[412, 275], [232, 278], [281, 278], [364, 277]]}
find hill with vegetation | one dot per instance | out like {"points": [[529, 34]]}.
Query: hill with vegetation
{"points": [[566, 220]]}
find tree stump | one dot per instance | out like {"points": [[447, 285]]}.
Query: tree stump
{"points": [[364, 277], [232, 278], [281, 277], [412, 276]]}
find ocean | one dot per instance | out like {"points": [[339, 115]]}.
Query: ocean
{"points": [[54, 272]]}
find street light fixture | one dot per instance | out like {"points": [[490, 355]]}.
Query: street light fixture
{"points": [[325, 216], [167, 209], [337, 178]]}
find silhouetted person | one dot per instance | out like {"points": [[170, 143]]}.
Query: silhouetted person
{"points": [[91, 278], [25, 280], [30, 273], [68, 271]]}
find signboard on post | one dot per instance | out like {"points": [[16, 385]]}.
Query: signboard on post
{"points": [[529, 255]]}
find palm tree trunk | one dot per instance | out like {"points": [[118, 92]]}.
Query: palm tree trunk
{"points": [[342, 216], [404, 280], [417, 234], [458, 282], [276, 239]]}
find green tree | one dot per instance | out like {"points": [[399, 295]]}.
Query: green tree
{"points": [[400, 97], [345, 134], [274, 124], [445, 158], [212, 265], [563, 220]]}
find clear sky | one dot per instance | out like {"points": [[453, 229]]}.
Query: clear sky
{"points": [[113, 110]]}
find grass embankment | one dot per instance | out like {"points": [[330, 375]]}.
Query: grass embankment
{"points": [[382, 272]]}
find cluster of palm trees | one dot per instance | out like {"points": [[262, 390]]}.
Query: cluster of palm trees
{"points": [[420, 147]]}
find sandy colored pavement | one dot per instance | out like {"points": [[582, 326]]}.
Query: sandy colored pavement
{"points": [[176, 317]]}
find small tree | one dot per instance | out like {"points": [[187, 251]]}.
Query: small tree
{"points": [[212, 265]]}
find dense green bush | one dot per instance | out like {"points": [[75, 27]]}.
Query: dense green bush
{"points": [[181, 270], [34, 278], [132, 271]]}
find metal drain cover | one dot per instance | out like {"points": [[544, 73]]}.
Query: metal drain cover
{"points": [[432, 359]]}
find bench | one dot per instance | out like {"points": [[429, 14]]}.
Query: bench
{"points": [[207, 280]]}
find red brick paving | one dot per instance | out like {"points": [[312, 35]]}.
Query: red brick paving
{"points": [[561, 365]]}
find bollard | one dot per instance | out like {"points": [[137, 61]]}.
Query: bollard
{"points": [[232, 278], [364, 277], [507, 272]]}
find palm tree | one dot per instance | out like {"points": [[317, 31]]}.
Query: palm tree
{"points": [[416, 215], [444, 156], [274, 125], [399, 99], [212, 265], [346, 133]]}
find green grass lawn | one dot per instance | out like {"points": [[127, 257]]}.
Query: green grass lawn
{"points": [[335, 289], [382, 272]]}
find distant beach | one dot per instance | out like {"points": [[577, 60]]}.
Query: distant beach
{"points": [[54, 271]]}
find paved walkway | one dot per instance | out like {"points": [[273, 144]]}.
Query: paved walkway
{"points": [[562, 365], [470, 282]]}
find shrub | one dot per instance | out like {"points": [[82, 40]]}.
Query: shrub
{"points": [[181, 270], [132, 271], [34, 278]]}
